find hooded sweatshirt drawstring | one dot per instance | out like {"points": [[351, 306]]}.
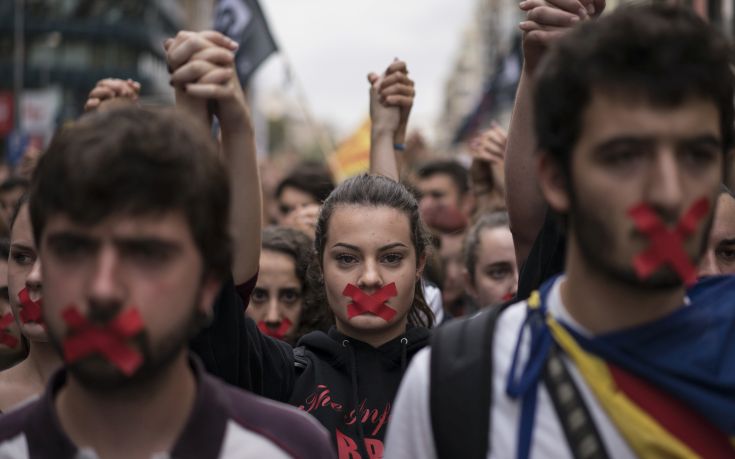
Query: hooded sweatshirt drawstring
{"points": [[356, 399], [404, 347]]}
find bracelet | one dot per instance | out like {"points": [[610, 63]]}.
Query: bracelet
{"points": [[399, 146]]}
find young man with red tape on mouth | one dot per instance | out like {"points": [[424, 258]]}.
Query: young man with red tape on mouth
{"points": [[615, 357], [131, 211]]}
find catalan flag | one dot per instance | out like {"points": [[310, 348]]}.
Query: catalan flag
{"points": [[353, 155], [668, 386]]}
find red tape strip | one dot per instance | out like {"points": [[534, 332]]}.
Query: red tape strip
{"points": [[109, 340], [363, 303], [30, 310], [666, 246], [5, 337], [278, 332]]}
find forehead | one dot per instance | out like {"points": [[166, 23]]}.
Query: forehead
{"points": [[292, 195], [436, 181], [368, 226], [496, 244], [611, 115]]}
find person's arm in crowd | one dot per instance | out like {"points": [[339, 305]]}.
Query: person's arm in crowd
{"points": [[486, 171], [112, 92], [231, 347], [203, 71], [391, 99], [545, 22]]}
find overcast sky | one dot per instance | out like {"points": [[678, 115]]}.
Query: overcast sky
{"points": [[332, 44]]}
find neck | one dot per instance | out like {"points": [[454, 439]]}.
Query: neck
{"points": [[602, 304], [371, 337], [132, 422]]}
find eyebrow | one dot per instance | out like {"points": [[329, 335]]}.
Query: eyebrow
{"points": [[726, 241], [380, 249], [20, 246], [122, 242], [708, 139]]}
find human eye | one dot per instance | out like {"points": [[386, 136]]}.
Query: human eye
{"points": [[148, 253], [392, 258], [726, 253], [345, 259], [290, 296], [259, 295], [699, 154], [498, 272], [22, 257]]}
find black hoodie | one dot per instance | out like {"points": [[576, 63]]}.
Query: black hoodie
{"points": [[341, 379], [327, 375]]}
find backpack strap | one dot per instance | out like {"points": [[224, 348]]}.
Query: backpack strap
{"points": [[461, 380], [300, 360], [575, 418]]}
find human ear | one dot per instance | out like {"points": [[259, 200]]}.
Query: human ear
{"points": [[553, 182], [470, 285], [420, 266], [211, 287]]}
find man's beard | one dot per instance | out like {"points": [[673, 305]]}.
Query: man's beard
{"points": [[596, 242], [97, 374]]}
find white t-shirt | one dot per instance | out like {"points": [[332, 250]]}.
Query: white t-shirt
{"points": [[410, 433]]}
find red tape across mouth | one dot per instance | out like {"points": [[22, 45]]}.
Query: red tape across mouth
{"points": [[109, 340], [666, 246], [5, 337], [278, 332], [31, 310], [363, 302]]}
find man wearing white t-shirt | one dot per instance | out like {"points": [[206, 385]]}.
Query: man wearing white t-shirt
{"points": [[614, 358]]}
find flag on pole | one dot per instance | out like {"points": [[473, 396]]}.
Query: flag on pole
{"points": [[244, 22], [353, 155]]}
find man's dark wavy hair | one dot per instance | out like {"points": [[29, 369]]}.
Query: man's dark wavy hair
{"points": [[656, 53], [137, 161]]}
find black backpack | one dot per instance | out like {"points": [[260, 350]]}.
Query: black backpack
{"points": [[461, 375]]}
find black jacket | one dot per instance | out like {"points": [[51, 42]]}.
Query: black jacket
{"points": [[327, 375]]}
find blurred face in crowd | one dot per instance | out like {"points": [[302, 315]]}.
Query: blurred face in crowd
{"points": [[438, 191], [450, 254], [278, 293], [8, 354], [370, 247], [495, 272], [292, 199], [631, 152], [8, 200], [720, 255], [149, 263], [24, 271]]}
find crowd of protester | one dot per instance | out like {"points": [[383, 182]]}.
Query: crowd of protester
{"points": [[569, 294]]}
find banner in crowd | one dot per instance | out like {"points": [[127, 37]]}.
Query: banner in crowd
{"points": [[244, 22], [353, 155]]}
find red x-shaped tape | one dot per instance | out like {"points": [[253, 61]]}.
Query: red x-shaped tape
{"points": [[364, 302], [109, 340], [30, 310], [5, 337], [278, 332], [666, 246]]}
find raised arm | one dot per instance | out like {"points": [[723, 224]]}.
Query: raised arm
{"points": [[545, 22], [391, 99], [204, 76]]}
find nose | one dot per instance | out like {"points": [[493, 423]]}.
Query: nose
{"points": [[370, 278], [708, 265], [272, 315], [106, 292], [33, 281], [665, 188]]}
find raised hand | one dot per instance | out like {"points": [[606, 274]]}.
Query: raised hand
{"points": [[112, 91]]}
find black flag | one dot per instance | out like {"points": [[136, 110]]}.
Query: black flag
{"points": [[244, 22]]}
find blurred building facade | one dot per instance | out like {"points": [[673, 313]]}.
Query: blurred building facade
{"points": [[68, 45], [482, 82]]}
